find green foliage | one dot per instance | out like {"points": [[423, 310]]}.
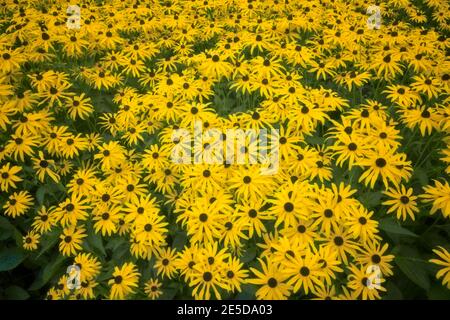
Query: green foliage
{"points": [[25, 275]]}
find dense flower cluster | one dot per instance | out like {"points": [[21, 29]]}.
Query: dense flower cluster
{"points": [[87, 115]]}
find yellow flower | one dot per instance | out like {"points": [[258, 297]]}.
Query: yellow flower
{"points": [[18, 204], [153, 289], [403, 202], [99, 122], [45, 220], [89, 266], [362, 284], [272, 281], [79, 106], [110, 155], [444, 261], [106, 221], [206, 279], [439, 195], [21, 145], [45, 167], [71, 240], [384, 163], [304, 272], [8, 176], [125, 280], [165, 263], [72, 210], [31, 241]]}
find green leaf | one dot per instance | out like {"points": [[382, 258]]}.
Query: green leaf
{"points": [[47, 273], [10, 258], [315, 140], [445, 227], [392, 292], [249, 255], [40, 194], [421, 175], [113, 244], [248, 292], [433, 238], [438, 292], [49, 242], [16, 293], [414, 271], [96, 242], [370, 199], [60, 187], [179, 241], [120, 253], [168, 294], [7, 230], [245, 296], [5, 233], [391, 226], [170, 290]]}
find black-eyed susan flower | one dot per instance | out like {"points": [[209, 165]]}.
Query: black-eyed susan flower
{"points": [[153, 289], [340, 241], [79, 107], [71, 240], [88, 115], [272, 281], [86, 290], [9, 177], [165, 263], [235, 274], [375, 253], [362, 284], [203, 224], [89, 266], [110, 155], [56, 93], [426, 119], [44, 220], [125, 280], [71, 145], [429, 86], [386, 164], [31, 241], [18, 204], [250, 183], [52, 294], [439, 196], [83, 181], [206, 281], [403, 202], [106, 220], [253, 215], [150, 229], [329, 264], [361, 225], [21, 145], [72, 210], [186, 261], [325, 293], [45, 167], [444, 262], [292, 204], [304, 273]]}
